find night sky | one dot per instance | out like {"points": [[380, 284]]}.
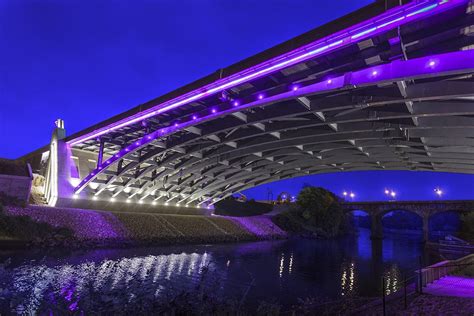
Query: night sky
{"points": [[85, 61]]}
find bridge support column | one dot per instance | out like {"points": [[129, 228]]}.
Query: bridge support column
{"points": [[426, 231], [376, 227], [58, 184]]}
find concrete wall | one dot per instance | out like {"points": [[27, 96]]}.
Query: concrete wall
{"points": [[131, 207], [16, 186]]}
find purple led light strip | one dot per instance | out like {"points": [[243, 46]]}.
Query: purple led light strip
{"points": [[444, 64], [388, 20]]}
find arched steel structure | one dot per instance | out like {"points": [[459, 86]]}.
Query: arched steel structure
{"points": [[387, 89]]}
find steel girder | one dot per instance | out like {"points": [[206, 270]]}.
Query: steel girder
{"points": [[297, 140]]}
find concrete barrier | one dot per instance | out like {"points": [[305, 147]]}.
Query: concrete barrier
{"points": [[15, 180]]}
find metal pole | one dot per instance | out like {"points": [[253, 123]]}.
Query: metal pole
{"points": [[101, 153], [421, 276], [405, 291], [383, 295]]}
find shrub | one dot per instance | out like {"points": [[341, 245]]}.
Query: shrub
{"points": [[287, 221], [317, 210], [321, 209], [231, 207], [467, 226]]}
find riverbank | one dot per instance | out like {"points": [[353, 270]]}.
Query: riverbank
{"points": [[80, 228]]}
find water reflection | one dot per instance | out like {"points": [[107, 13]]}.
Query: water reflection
{"points": [[393, 279], [282, 264], [264, 271], [34, 285], [347, 279]]}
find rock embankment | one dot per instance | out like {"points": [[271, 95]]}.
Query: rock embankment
{"points": [[90, 228]]}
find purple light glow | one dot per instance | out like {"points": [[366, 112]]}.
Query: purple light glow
{"points": [[236, 103], [390, 19], [85, 224], [450, 63], [260, 96], [195, 117], [260, 226]]}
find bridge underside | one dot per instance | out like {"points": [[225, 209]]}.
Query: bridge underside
{"points": [[399, 99]]}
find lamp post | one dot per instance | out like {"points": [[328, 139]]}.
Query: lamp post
{"points": [[438, 192]]}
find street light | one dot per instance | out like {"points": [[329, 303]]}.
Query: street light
{"points": [[438, 192], [390, 193], [344, 193], [352, 195]]}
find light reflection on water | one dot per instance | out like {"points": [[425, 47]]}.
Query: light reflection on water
{"points": [[280, 271], [146, 277]]}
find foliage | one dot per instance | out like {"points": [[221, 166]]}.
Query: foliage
{"points": [[321, 209], [232, 207], [289, 221], [467, 226], [316, 210]]}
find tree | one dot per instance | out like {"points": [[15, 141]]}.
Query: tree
{"points": [[320, 208], [467, 226]]}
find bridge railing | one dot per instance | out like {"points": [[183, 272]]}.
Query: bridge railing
{"points": [[460, 271]]}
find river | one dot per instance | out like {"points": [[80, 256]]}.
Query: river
{"points": [[272, 271]]}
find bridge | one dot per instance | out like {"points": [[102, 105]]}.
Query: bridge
{"points": [[388, 87], [424, 209]]}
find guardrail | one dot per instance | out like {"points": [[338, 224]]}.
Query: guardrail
{"points": [[438, 270], [413, 285]]}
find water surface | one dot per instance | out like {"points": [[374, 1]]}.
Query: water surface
{"points": [[271, 271]]}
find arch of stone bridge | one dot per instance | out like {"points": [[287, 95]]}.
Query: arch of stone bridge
{"points": [[424, 210]]}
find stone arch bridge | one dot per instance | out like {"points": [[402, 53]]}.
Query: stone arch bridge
{"points": [[424, 209]]}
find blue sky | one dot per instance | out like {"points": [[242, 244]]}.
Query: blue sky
{"points": [[85, 61]]}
